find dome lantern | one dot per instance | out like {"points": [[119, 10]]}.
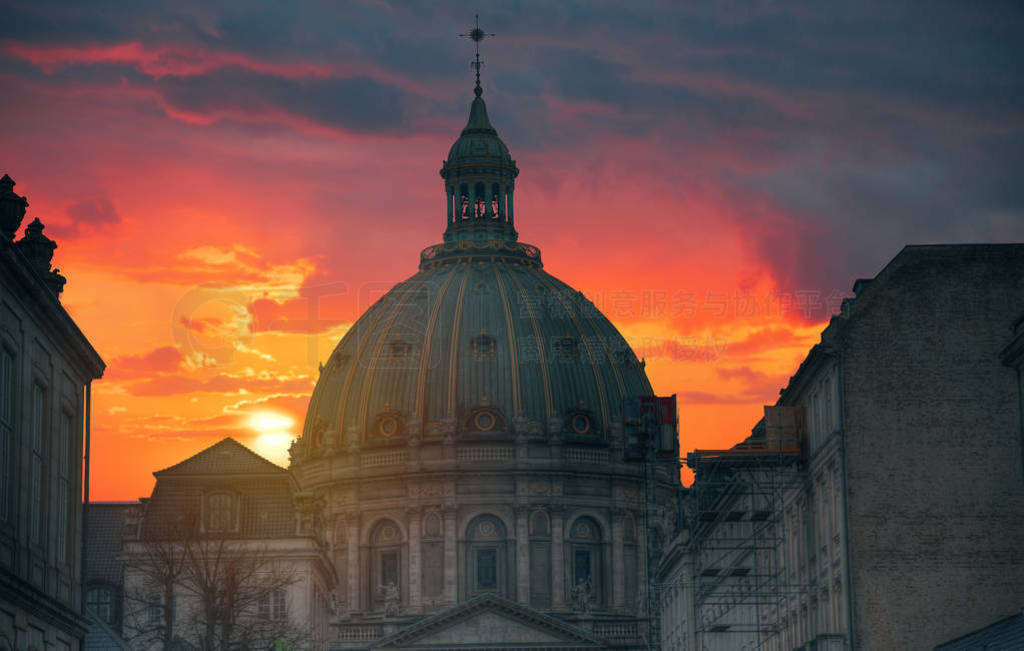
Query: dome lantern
{"points": [[479, 175]]}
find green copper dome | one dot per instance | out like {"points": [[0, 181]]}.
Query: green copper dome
{"points": [[479, 140], [481, 342]]}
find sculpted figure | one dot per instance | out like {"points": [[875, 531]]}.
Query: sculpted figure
{"points": [[581, 596], [392, 599]]}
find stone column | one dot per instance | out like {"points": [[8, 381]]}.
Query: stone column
{"points": [[509, 208], [352, 525], [523, 554], [450, 557], [488, 198], [415, 561], [557, 556], [450, 193], [618, 561], [472, 200], [501, 201]]}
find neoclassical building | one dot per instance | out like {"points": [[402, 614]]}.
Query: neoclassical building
{"points": [[466, 436], [46, 371]]}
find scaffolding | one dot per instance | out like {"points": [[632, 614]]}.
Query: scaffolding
{"points": [[741, 584]]}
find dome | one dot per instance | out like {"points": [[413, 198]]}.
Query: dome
{"points": [[479, 139], [480, 340]]}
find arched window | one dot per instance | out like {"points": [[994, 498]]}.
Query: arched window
{"points": [[586, 557], [100, 599], [487, 555], [386, 561]]}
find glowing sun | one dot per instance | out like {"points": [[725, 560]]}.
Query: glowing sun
{"points": [[273, 435]]}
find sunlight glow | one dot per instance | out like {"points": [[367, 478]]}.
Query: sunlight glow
{"points": [[274, 435]]}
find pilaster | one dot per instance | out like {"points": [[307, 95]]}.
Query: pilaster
{"points": [[415, 560], [523, 554], [352, 527], [557, 557], [618, 561], [450, 557]]}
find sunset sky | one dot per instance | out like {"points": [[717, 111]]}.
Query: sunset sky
{"points": [[231, 184]]}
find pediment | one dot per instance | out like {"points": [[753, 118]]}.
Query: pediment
{"points": [[487, 621]]}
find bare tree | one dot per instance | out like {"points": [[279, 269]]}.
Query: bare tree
{"points": [[238, 589], [156, 567], [211, 591]]}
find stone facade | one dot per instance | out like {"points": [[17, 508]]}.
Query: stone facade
{"points": [[901, 527], [226, 505], [46, 367]]}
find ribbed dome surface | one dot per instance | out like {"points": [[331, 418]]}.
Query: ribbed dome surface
{"points": [[479, 138], [478, 333]]}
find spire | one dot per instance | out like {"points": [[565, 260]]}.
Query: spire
{"points": [[476, 35], [479, 173]]}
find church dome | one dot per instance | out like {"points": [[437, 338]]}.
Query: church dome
{"points": [[481, 341], [483, 432]]}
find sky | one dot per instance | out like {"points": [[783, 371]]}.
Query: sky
{"points": [[231, 184]]}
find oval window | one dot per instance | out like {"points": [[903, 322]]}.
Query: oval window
{"points": [[580, 424], [388, 426], [484, 421]]}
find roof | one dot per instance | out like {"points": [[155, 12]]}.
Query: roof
{"points": [[101, 636], [106, 522], [226, 457], [477, 334], [479, 140], [913, 258], [263, 504], [1004, 635]]}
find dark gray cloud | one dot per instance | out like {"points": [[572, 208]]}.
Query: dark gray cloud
{"points": [[869, 124]]}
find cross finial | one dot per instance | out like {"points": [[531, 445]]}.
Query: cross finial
{"points": [[476, 35]]}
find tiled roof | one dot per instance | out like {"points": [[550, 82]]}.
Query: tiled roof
{"points": [[263, 506], [227, 457], [101, 637], [1004, 635], [103, 541]]}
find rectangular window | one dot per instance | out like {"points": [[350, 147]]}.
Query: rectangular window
{"points": [[38, 439], [219, 512], [155, 610], [279, 610], [272, 605], [581, 566], [486, 569], [101, 602], [6, 430], [63, 485], [389, 568]]}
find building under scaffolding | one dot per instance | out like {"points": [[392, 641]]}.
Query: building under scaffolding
{"points": [[735, 580]]}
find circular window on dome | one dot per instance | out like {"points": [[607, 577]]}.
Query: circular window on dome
{"points": [[580, 424], [388, 426], [484, 421]]}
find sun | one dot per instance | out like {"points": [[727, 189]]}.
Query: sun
{"points": [[273, 435]]}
